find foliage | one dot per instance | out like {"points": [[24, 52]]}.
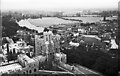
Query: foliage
{"points": [[10, 27], [94, 59]]}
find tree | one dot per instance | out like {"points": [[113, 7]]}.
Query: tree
{"points": [[9, 27], [107, 65], [15, 39], [4, 40], [78, 15], [46, 30], [54, 31], [105, 14]]}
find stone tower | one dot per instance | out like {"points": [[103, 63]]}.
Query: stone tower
{"points": [[56, 41], [39, 46], [49, 45]]}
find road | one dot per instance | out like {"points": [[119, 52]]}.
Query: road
{"points": [[59, 73], [79, 70], [87, 71]]}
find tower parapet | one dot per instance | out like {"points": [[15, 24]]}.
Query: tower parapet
{"points": [[51, 48]]}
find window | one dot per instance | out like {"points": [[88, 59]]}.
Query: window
{"points": [[35, 74], [46, 38], [23, 72], [30, 71], [49, 37], [27, 71], [35, 70], [41, 47], [38, 43]]}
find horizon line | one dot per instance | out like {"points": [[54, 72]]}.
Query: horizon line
{"points": [[58, 9]]}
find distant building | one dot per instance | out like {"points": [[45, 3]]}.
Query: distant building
{"points": [[113, 44], [92, 36], [60, 57], [16, 48], [75, 34], [74, 44], [20, 46], [74, 29], [81, 31]]}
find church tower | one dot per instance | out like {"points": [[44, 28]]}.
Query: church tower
{"points": [[49, 45]]}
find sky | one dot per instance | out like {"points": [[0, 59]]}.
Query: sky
{"points": [[57, 4]]}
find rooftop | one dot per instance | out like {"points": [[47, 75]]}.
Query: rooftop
{"points": [[10, 67]]}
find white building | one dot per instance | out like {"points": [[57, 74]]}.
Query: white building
{"points": [[74, 44], [113, 44], [19, 46]]}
